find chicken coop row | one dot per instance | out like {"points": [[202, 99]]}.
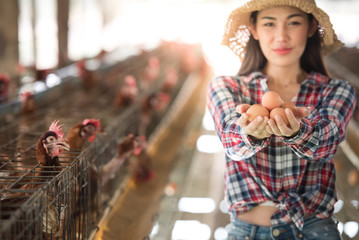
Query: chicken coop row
{"points": [[66, 151]]}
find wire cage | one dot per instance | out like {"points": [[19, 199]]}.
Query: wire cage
{"points": [[68, 201]]}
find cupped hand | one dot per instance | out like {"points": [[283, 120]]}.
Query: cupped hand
{"points": [[278, 127], [255, 128]]}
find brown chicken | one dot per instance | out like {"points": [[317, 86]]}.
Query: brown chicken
{"points": [[127, 93], [171, 79], [151, 72], [4, 87], [28, 104], [77, 136], [48, 147], [139, 164], [130, 145], [151, 105]]}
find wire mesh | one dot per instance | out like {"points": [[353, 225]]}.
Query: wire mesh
{"points": [[67, 201]]}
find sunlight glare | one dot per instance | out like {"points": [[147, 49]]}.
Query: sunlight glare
{"points": [[340, 228], [196, 205], [52, 80], [155, 230], [209, 144], [351, 229], [220, 234], [338, 206], [190, 230], [207, 121], [223, 206]]}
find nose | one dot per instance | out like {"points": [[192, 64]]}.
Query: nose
{"points": [[281, 33]]}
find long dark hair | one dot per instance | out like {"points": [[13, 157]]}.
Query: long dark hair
{"points": [[311, 60]]}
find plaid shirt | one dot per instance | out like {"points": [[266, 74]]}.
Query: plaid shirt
{"points": [[297, 173]]}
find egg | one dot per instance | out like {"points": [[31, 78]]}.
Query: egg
{"points": [[353, 177], [280, 112], [289, 105], [271, 100], [257, 110]]}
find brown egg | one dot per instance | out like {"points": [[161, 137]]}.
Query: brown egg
{"points": [[353, 177], [337, 164], [280, 112], [256, 110], [289, 105], [271, 100]]}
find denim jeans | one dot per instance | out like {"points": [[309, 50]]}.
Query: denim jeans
{"points": [[314, 229]]}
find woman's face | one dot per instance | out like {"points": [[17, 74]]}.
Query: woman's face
{"points": [[282, 33]]}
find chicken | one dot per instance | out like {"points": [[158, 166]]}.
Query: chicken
{"points": [[28, 104], [130, 145], [139, 164], [41, 74], [154, 103], [127, 93], [77, 136], [190, 60], [151, 72], [87, 76], [4, 87], [170, 81], [87, 130], [48, 148]]}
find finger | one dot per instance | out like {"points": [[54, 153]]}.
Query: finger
{"points": [[293, 121], [302, 112], [269, 129], [282, 126], [263, 124], [242, 108], [273, 126], [243, 120], [252, 127]]}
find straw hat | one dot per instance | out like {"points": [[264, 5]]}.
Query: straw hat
{"points": [[237, 32]]}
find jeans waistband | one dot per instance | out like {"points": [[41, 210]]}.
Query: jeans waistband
{"points": [[281, 231]]}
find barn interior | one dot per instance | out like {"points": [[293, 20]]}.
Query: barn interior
{"points": [[152, 166]]}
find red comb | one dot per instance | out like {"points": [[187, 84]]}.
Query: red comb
{"points": [[54, 127], [92, 121], [130, 80], [5, 78]]}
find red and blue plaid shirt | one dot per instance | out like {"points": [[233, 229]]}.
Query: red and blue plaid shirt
{"points": [[297, 173]]}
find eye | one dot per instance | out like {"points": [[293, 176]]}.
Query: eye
{"points": [[90, 128], [268, 24], [50, 139], [294, 23]]}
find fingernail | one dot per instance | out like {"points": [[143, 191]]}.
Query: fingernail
{"points": [[259, 119], [277, 118]]}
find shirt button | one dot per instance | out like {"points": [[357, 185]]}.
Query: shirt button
{"points": [[276, 232], [300, 235], [246, 238]]}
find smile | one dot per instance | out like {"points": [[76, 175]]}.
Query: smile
{"points": [[282, 51]]}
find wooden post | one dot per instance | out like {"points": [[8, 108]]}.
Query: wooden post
{"points": [[9, 43], [63, 8]]}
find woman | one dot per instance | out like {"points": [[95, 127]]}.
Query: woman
{"points": [[279, 179]]}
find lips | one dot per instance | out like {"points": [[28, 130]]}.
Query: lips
{"points": [[282, 51]]}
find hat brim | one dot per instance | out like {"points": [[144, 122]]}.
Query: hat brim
{"points": [[240, 19]]}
